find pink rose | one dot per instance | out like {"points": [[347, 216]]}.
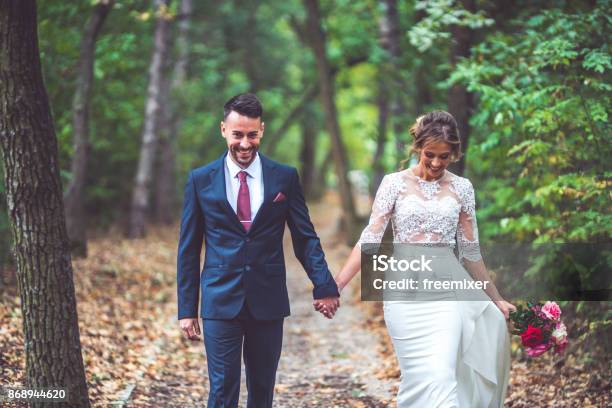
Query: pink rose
{"points": [[537, 350], [551, 310]]}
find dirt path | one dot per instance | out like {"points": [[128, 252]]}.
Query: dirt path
{"points": [[324, 363], [327, 363]]}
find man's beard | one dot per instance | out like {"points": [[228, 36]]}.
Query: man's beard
{"points": [[244, 162]]}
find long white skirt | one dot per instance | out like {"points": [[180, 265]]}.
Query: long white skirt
{"points": [[450, 353]]}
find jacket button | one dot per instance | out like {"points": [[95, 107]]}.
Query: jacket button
{"points": [[248, 268]]}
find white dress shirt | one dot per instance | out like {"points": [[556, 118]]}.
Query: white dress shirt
{"points": [[254, 181]]}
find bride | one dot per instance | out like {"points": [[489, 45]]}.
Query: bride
{"points": [[450, 353]]}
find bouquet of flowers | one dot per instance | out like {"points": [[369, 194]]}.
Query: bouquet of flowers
{"points": [[540, 328]]}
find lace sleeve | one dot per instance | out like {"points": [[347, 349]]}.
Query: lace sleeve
{"points": [[382, 210], [468, 246]]}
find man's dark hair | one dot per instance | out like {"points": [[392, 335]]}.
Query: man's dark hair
{"points": [[245, 104]]}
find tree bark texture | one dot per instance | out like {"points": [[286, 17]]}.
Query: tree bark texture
{"points": [[36, 212]]}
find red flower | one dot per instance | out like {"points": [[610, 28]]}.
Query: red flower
{"points": [[532, 336]]}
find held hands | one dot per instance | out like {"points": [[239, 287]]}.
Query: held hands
{"points": [[191, 328], [327, 306]]}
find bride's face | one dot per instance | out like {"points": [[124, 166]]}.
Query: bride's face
{"points": [[434, 159]]}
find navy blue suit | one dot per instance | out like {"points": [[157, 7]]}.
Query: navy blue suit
{"points": [[243, 281]]}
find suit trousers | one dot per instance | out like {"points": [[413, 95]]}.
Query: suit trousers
{"points": [[259, 341]]}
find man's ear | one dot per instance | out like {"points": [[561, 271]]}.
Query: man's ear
{"points": [[262, 126], [222, 127]]}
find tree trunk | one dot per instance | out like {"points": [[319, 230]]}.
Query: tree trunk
{"points": [[308, 152], [381, 138], [76, 222], [166, 194], [319, 176], [423, 96], [150, 134], [249, 45], [313, 91], [391, 38], [272, 140], [460, 101], [386, 71], [36, 212], [316, 38]]}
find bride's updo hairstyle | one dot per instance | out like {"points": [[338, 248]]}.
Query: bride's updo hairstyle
{"points": [[436, 126]]}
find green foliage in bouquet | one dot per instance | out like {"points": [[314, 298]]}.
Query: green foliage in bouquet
{"points": [[525, 316]]}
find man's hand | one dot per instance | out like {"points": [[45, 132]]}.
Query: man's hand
{"points": [[191, 327], [327, 306]]}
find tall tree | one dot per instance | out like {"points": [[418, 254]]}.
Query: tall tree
{"points": [[150, 134], [391, 40], [421, 82], [316, 39], [308, 153], [385, 93], [36, 211], [165, 193], [249, 46], [460, 101], [382, 101], [75, 212], [272, 140]]}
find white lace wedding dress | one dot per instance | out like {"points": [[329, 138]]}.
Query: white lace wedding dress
{"points": [[451, 353]]}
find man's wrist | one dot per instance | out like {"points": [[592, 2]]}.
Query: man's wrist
{"points": [[325, 291]]}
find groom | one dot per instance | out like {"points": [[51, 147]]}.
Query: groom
{"points": [[238, 205]]}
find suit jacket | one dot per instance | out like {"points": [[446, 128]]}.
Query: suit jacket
{"points": [[242, 266]]}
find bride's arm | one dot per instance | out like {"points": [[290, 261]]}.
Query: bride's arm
{"points": [[469, 248], [479, 272], [382, 210], [350, 268]]}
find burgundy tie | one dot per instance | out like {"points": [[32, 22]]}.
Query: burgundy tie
{"points": [[244, 201]]}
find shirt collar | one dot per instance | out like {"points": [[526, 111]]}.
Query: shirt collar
{"points": [[254, 169]]}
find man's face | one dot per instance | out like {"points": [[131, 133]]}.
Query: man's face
{"points": [[242, 135]]}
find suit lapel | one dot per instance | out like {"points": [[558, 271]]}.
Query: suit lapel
{"points": [[220, 193]]}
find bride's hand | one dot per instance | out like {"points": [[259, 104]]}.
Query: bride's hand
{"points": [[505, 307]]}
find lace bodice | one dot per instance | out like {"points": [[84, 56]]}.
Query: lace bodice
{"points": [[429, 212]]}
